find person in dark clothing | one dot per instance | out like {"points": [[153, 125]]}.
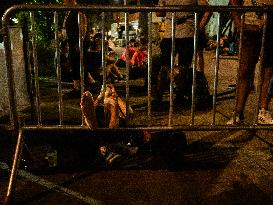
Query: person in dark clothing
{"points": [[93, 58], [168, 144], [202, 38], [184, 39], [72, 32], [65, 62]]}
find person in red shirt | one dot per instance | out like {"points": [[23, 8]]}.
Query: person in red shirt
{"points": [[139, 57], [138, 62], [131, 46]]}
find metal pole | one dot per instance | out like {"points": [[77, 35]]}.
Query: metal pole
{"points": [[172, 65], [15, 164], [216, 69], [127, 64], [58, 67], [194, 67], [36, 69], [149, 65]]}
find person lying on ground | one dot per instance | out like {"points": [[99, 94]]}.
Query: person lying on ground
{"points": [[169, 144]]}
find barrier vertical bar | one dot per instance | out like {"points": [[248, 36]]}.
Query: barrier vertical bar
{"points": [[58, 67], [80, 40], [193, 97], [216, 70], [149, 65], [14, 169], [103, 47], [127, 64], [172, 66], [242, 19], [36, 68]]}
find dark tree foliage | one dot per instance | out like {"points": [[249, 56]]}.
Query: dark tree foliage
{"points": [[44, 31]]}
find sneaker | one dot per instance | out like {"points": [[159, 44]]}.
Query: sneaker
{"points": [[264, 117], [238, 119]]}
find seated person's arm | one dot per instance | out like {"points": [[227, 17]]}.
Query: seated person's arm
{"points": [[236, 15], [111, 104], [134, 59], [204, 19]]}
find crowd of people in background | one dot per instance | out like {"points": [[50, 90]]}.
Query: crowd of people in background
{"points": [[136, 56]]}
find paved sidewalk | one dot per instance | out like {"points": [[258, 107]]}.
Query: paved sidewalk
{"points": [[218, 167]]}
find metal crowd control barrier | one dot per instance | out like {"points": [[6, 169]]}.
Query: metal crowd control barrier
{"points": [[19, 128]]}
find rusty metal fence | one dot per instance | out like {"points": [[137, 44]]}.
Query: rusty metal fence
{"points": [[210, 124]]}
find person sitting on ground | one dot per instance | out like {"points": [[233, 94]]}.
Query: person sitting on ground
{"points": [[93, 62], [138, 62], [131, 48], [112, 70], [140, 54], [108, 111], [170, 144]]}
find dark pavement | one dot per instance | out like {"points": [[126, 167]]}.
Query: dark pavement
{"points": [[216, 168]]}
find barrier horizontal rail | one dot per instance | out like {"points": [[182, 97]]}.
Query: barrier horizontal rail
{"points": [[152, 128], [122, 8]]}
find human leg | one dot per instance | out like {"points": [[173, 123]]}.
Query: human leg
{"points": [[201, 63], [184, 48], [88, 110], [250, 50], [163, 71], [202, 44], [111, 105], [264, 116], [267, 64], [75, 71], [166, 50], [75, 65], [115, 71], [162, 82]]}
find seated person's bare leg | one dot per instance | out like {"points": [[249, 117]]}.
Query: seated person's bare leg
{"points": [[111, 106], [88, 110]]}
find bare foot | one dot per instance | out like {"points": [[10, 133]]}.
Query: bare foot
{"points": [[122, 107], [88, 110]]}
